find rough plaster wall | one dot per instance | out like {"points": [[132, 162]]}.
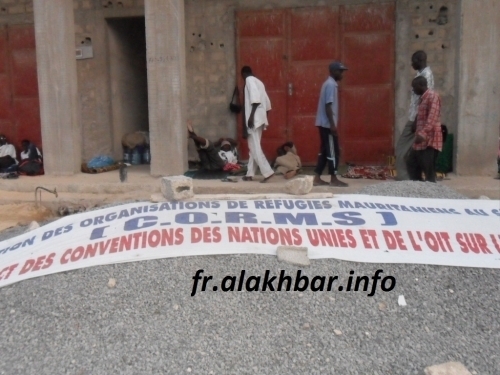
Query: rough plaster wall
{"points": [[440, 44], [93, 74], [211, 66], [479, 90], [16, 11]]}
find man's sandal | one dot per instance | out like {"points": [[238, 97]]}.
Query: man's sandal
{"points": [[247, 178], [266, 179]]}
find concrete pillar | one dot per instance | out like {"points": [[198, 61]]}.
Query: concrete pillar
{"points": [[57, 85], [166, 62], [479, 88], [403, 66]]}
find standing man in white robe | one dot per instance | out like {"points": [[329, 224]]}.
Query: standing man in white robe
{"points": [[257, 104]]}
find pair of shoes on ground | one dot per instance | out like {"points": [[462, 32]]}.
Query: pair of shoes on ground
{"points": [[249, 178], [332, 184]]}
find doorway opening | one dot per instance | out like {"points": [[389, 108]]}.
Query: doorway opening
{"points": [[128, 81]]}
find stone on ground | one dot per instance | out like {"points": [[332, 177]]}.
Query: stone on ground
{"points": [[449, 368], [300, 185], [33, 225], [293, 255], [177, 187]]}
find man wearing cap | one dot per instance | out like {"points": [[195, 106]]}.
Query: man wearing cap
{"points": [[327, 122], [8, 157]]}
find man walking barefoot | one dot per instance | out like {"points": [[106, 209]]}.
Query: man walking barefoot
{"points": [[327, 121]]}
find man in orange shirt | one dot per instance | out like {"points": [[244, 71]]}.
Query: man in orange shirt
{"points": [[428, 135]]}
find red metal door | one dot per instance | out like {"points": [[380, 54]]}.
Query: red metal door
{"points": [[262, 46], [367, 98], [313, 43], [19, 104], [291, 50]]}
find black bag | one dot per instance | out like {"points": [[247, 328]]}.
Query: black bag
{"points": [[31, 168], [444, 130], [235, 107]]}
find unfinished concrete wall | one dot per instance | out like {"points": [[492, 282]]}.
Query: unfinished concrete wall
{"points": [[479, 87], [16, 12], [422, 25]]}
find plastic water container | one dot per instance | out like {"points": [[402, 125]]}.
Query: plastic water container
{"points": [[136, 157], [127, 156], [146, 156]]}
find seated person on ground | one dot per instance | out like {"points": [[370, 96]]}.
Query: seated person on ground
{"points": [[8, 157], [30, 151], [31, 160], [288, 162], [218, 156]]}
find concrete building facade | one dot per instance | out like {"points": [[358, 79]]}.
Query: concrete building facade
{"points": [[156, 63]]}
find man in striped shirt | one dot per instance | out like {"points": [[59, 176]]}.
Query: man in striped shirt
{"points": [[428, 140]]}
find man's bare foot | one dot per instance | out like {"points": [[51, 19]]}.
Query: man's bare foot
{"points": [[266, 179], [247, 178], [319, 182], [290, 174]]}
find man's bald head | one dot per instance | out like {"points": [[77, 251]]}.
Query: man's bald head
{"points": [[419, 60], [419, 85]]}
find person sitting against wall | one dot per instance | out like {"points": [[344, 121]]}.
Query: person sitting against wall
{"points": [[30, 151], [216, 156], [288, 162], [31, 160], [8, 157]]}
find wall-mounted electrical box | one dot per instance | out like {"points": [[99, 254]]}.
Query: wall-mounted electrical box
{"points": [[84, 52]]}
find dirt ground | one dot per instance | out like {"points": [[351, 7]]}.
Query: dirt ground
{"points": [[22, 214]]}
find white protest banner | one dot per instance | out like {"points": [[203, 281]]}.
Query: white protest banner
{"points": [[356, 228]]}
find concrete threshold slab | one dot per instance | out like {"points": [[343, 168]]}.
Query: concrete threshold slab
{"points": [[230, 197]]}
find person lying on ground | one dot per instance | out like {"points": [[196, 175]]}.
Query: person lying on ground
{"points": [[288, 162], [216, 156], [8, 157]]}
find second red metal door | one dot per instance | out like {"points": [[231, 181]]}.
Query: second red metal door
{"points": [[290, 49]]}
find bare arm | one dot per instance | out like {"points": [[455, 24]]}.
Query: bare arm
{"points": [[329, 114]]}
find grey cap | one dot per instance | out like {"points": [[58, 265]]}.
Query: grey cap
{"points": [[337, 65]]}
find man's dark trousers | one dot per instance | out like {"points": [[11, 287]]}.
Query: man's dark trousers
{"points": [[329, 152], [422, 161]]}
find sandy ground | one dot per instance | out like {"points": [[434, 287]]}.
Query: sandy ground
{"points": [[22, 214]]}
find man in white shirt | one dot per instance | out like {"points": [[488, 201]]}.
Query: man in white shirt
{"points": [[405, 141], [257, 104], [30, 151], [8, 157]]}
